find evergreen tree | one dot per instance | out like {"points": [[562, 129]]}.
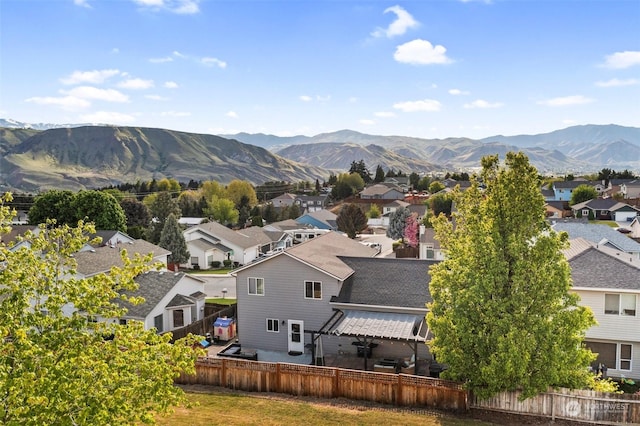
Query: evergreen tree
{"points": [[397, 223], [172, 239], [161, 205], [503, 315], [379, 177], [351, 220], [269, 213]]}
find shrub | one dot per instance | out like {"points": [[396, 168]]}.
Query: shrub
{"points": [[216, 264], [196, 267], [227, 263]]}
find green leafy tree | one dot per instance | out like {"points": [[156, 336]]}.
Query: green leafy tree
{"points": [[374, 211], [294, 211], [101, 208], [503, 315], [414, 179], [441, 203], [54, 204], [222, 210], [244, 211], [211, 189], [379, 176], [161, 205], [351, 220], [436, 186], [423, 183], [138, 216], [172, 239], [269, 213], [397, 223], [61, 367], [361, 169], [583, 193]]}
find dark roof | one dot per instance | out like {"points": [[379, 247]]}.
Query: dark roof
{"points": [[101, 259], [15, 232], [560, 205], [601, 203], [572, 184], [180, 300], [420, 209], [152, 286], [387, 282], [595, 269]]}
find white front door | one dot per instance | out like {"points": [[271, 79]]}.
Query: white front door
{"points": [[295, 330]]}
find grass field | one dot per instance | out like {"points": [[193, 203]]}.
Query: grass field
{"points": [[220, 300], [226, 408]]}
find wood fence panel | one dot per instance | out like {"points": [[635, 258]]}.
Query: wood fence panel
{"points": [[304, 380], [433, 393], [369, 386], [253, 376]]}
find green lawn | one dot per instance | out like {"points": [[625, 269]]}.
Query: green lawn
{"points": [[225, 408], [221, 271], [220, 300], [611, 223]]}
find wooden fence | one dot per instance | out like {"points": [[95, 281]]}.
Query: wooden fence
{"points": [[329, 382], [205, 325], [579, 405]]}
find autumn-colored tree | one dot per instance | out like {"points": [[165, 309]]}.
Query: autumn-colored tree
{"points": [[58, 365], [503, 315]]}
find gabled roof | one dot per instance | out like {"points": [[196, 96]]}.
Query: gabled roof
{"points": [[204, 245], [322, 253], [610, 204], [17, 231], [429, 237], [285, 225], [388, 282], [572, 184], [559, 205], [101, 259], [152, 286], [285, 196], [397, 203], [598, 234], [324, 216], [419, 209], [180, 300], [377, 189], [597, 267], [225, 234], [257, 234]]}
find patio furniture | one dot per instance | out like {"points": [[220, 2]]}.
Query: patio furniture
{"points": [[386, 365]]}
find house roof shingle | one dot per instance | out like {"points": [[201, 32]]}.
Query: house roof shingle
{"points": [[152, 286], [387, 282], [101, 259], [598, 234]]}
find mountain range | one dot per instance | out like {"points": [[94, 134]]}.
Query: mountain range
{"points": [[43, 156]]}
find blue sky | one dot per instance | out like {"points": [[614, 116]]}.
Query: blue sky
{"points": [[430, 69]]}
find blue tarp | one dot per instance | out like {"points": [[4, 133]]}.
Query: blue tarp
{"points": [[223, 322]]}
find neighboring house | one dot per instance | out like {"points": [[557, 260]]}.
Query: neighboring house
{"points": [[557, 209], [211, 241], [548, 194], [603, 235], [380, 191], [321, 219], [608, 281], [429, 246], [311, 203], [615, 186], [418, 209], [393, 206], [630, 189], [284, 200], [171, 300], [100, 260], [635, 227], [108, 238], [188, 222], [605, 209], [12, 238], [400, 182], [285, 297], [21, 218], [563, 189]]}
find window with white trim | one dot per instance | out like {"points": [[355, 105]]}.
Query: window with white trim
{"points": [[273, 325], [620, 304], [625, 356], [616, 356], [429, 251], [312, 290], [256, 286]]}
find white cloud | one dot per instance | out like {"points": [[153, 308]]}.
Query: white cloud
{"points": [[65, 102], [367, 122], [213, 62], [136, 84], [566, 101], [232, 114], [181, 7], [161, 60], [482, 104], [88, 92], [429, 105], [384, 114], [170, 85], [178, 54], [94, 77], [421, 52], [305, 98], [175, 114], [82, 3], [621, 60], [108, 118], [402, 23], [614, 82], [458, 92], [156, 97]]}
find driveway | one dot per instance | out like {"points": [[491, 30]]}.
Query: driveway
{"points": [[215, 284]]}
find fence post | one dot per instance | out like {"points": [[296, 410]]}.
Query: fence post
{"points": [[553, 408], [399, 401], [223, 379], [336, 384], [278, 379]]}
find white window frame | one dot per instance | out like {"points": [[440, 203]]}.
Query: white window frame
{"points": [[621, 310], [259, 289], [429, 248], [313, 289], [621, 360], [273, 325]]}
